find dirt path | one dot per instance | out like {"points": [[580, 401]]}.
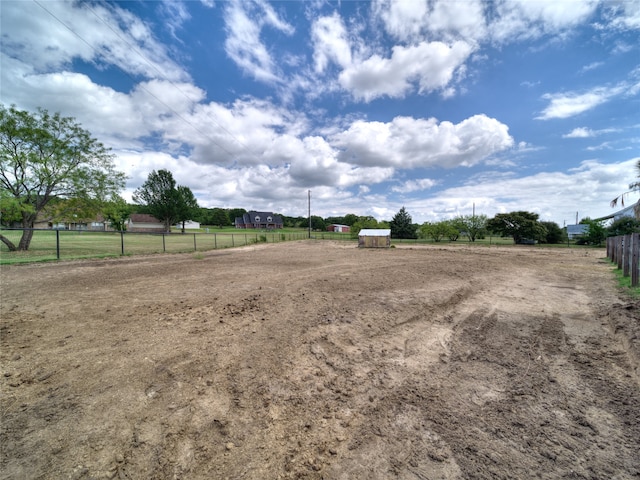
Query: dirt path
{"points": [[319, 360]]}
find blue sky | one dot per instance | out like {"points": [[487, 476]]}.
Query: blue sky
{"points": [[435, 105]]}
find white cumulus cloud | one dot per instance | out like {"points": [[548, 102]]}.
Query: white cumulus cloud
{"points": [[407, 142], [429, 64]]}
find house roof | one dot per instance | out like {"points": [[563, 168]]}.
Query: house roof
{"points": [[143, 218], [261, 217], [375, 232], [578, 229], [625, 212]]}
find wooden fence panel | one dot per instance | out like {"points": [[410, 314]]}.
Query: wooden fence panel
{"points": [[624, 251]]}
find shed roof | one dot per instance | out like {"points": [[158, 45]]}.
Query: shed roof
{"points": [[375, 232]]}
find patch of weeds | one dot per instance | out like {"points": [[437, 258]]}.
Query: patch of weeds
{"points": [[625, 284]]}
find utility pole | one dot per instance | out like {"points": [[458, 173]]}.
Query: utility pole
{"points": [[309, 202]]}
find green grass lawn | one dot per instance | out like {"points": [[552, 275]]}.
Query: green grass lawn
{"points": [[71, 244]]}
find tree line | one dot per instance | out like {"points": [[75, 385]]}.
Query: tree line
{"points": [[50, 166], [523, 227]]}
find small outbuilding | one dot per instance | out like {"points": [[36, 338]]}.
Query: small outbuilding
{"points": [[335, 227], [374, 238]]}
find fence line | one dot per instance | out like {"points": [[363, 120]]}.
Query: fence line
{"points": [[624, 250], [50, 244]]}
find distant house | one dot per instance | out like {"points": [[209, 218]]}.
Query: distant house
{"points": [[335, 227], [144, 222], [96, 224], [259, 220], [374, 238], [576, 231]]}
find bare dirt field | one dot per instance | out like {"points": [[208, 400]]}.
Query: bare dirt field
{"points": [[319, 360]]}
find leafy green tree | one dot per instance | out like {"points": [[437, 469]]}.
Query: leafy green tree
{"points": [[219, 217], [46, 156], [472, 226], [623, 226], [350, 219], [11, 209], [187, 205], [234, 213], [402, 225], [454, 230], [295, 222], [165, 200], [438, 230], [73, 210], [521, 226], [596, 232], [159, 195], [555, 234], [364, 222], [317, 223], [116, 213], [336, 220]]}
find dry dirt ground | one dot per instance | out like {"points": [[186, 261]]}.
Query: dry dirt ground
{"points": [[319, 360]]}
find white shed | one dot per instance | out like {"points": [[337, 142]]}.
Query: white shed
{"points": [[374, 238]]}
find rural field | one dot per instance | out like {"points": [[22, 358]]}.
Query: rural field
{"points": [[319, 360]]}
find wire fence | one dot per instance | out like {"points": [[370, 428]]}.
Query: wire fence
{"points": [[624, 250], [48, 244]]}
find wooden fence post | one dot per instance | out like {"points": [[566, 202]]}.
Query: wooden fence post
{"points": [[626, 254], [619, 251], [634, 259]]}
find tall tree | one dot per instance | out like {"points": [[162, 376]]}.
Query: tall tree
{"points": [[235, 213], [519, 225], [623, 226], [163, 199], [473, 226], [116, 213], [437, 230], [220, 217], [350, 219], [402, 226], [596, 232], [46, 156], [555, 234], [187, 204], [317, 223]]}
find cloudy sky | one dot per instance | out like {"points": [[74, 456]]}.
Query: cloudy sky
{"points": [[435, 105]]}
